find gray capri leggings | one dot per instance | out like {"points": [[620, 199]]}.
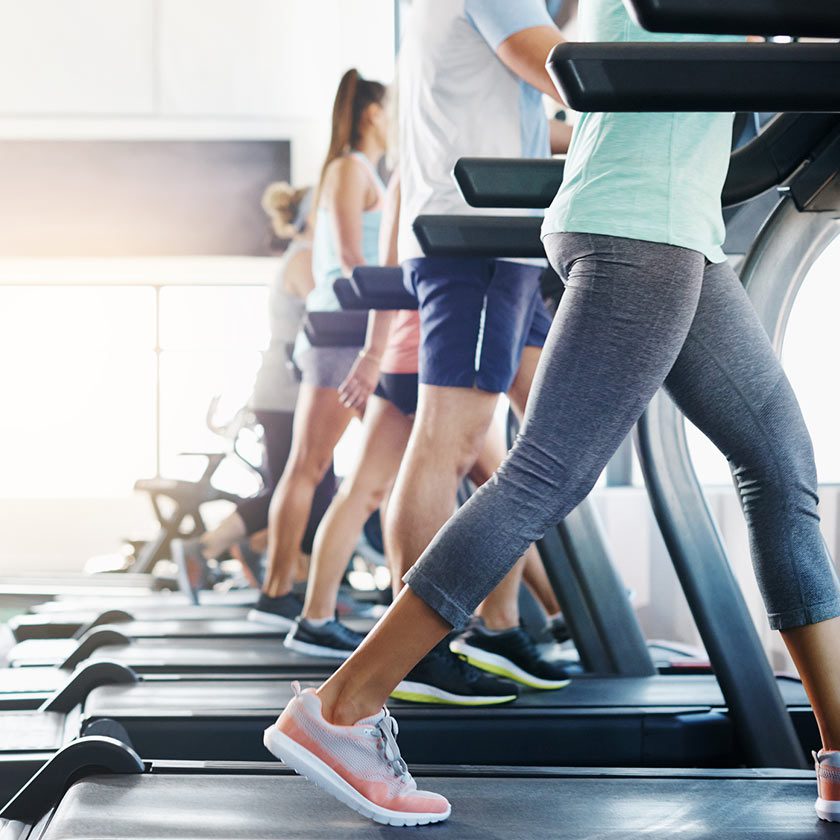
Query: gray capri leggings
{"points": [[634, 316]]}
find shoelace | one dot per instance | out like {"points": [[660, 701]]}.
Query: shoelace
{"points": [[387, 729]]}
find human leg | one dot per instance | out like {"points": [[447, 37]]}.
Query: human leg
{"points": [[729, 382], [448, 434], [320, 421], [621, 324], [386, 432]]}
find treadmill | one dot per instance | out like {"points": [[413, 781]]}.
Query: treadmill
{"points": [[642, 720], [124, 796], [116, 794], [646, 719], [98, 788]]}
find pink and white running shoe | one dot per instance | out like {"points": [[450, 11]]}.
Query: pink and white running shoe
{"points": [[827, 765], [359, 765]]}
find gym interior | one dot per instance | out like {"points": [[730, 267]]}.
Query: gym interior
{"points": [[273, 278]]}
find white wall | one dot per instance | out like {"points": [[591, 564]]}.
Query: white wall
{"points": [[186, 68]]}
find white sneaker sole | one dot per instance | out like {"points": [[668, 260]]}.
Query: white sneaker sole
{"points": [[308, 765], [414, 692], [828, 809], [271, 618], [501, 667], [314, 650]]}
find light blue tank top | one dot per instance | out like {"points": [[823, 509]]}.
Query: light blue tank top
{"points": [[656, 177], [326, 262]]}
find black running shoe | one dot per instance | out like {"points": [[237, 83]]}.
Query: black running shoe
{"points": [[443, 677], [511, 654], [280, 612], [333, 639], [559, 630]]}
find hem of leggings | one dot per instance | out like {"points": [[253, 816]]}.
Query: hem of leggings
{"points": [[802, 616], [450, 611]]}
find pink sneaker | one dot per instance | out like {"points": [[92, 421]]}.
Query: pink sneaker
{"points": [[359, 765], [827, 765]]}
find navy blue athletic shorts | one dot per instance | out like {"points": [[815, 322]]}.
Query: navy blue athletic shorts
{"points": [[400, 389], [476, 316]]}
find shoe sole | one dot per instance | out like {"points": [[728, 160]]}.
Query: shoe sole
{"points": [[315, 650], [501, 667], [271, 618], [414, 692], [308, 765], [828, 809]]}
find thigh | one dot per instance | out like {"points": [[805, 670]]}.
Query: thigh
{"points": [[320, 421], [624, 315], [451, 419], [521, 387], [385, 435], [727, 379]]}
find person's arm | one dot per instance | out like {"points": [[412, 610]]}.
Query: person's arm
{"points": [[348, 184], [361, 381], [560, 135], [522, 34], [526, 52]]}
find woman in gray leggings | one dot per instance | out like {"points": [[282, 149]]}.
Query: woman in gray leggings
{"points": [[635, 233]]}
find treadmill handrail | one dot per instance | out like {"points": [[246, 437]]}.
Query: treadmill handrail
{"points": [[509, 182], [668, 77], [775, 154], [764, 162], [811, 19], [470, 236], [381, 287]]}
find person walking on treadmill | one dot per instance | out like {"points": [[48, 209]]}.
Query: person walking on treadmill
{"points": [[349, 209], [272, 400], [383, 383], [636, 233], [466, 87]]}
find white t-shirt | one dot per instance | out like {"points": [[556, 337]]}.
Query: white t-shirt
{"points": [[457, 99]]}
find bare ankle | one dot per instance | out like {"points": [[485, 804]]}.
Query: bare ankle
{"points": [[343, 708], [276, 590], [499, 620]]}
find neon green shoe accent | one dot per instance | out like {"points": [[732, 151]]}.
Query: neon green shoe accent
{"points": [[500, 671], [414, 697]]}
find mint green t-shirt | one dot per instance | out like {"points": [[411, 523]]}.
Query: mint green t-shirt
{"points": [[655, 177]]}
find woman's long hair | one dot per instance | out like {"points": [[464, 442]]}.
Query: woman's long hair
{"points": [[353, 97]]}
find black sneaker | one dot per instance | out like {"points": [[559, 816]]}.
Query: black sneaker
{"points": [[559, 630], [280, 612], [512, 654], [443, 677], [333, 639]]}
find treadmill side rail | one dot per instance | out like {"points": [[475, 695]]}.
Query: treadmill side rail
{"points": [[84, 680], [80, 758]]}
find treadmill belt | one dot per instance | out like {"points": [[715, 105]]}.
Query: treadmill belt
{"points": [[184, 656], [606, 805]]}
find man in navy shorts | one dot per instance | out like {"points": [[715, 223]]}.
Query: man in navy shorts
{"points": [[472, 77]]}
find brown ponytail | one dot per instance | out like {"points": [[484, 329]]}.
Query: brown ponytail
{"points": [[352, 98]]}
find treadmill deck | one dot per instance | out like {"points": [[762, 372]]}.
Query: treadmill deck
{"points": [[603, 805]]}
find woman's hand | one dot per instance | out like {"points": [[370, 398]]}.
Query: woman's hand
{"points": [[360, 382]]}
